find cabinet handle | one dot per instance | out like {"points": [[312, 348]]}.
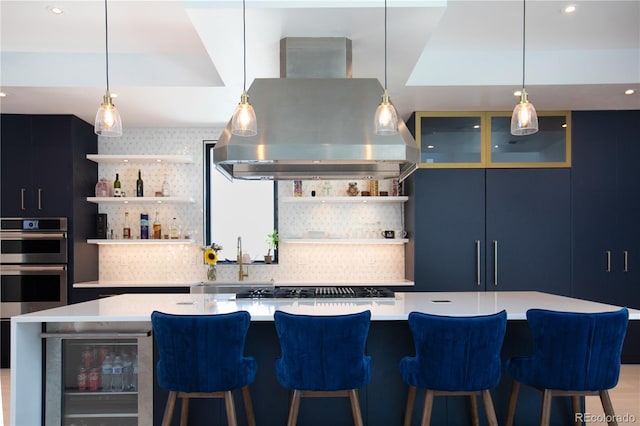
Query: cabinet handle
{"points": [[477, 262], [39, 198], [608, 252], [626, 261], [495, 262], [22, 190]]}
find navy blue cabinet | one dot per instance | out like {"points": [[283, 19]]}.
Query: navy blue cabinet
{"points": [[606, 206], [45, 173], [491, 229]]}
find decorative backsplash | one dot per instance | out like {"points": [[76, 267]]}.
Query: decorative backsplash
{"points": [[182, 263]]}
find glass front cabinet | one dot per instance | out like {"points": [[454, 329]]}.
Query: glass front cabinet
{"points": [[98, 377], [484, 140]]}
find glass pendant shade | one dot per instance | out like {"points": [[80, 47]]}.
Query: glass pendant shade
{"points": [[243, 122], [524, 120], [385, 121], [108, 122]]}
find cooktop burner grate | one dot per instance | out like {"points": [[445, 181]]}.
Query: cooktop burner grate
{"points": [[315, 292]]}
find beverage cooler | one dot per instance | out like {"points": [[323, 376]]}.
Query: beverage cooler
{"points": [[98, 377]]}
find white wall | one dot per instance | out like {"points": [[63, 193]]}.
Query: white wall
{"points": [[166, 264]]}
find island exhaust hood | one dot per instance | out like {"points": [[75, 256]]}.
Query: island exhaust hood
{"points": [[316, 122]]}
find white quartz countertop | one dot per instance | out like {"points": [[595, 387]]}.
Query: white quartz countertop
{"points": [[138, 307]]}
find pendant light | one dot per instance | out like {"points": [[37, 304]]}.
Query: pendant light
{"points": [[524, 120], [108, 122], [243, 122], [385, 121]]}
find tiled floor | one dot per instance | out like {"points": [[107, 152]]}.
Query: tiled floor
{"points": [[625, 397]]}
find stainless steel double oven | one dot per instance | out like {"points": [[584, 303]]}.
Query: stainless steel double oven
{"points": [[33, 264]]}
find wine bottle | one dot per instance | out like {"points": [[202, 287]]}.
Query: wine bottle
{"points": [[126, 230], [117, 188], [139, 186], [157, 228]]}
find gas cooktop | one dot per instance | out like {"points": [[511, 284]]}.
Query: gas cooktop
{"points": [[314, 292]]}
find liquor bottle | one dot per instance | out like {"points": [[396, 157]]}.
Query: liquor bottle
{"points": [[173, 232], [165, 187], [157, 228], [126, 229], [144, 226], [117, 188], [139, 186]]}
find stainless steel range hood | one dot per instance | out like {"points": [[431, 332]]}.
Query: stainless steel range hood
{"points": [[316, 128]]}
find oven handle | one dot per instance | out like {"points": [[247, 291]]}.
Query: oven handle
{"points": [[14, 268], [13, 236]]}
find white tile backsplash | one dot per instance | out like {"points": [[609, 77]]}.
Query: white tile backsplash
{"points": [[180, 263]]}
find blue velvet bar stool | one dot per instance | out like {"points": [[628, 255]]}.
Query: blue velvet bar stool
{"points": [[454, 356], [574, 354], [323, 356], [201, 356]]}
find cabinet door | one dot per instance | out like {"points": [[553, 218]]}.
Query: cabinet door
{"points": [[629, 208], [15, 140], [449, 222], [52, 164], [528, 230], [606, 181]]}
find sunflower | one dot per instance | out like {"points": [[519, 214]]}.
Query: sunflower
{"points": [[210, 256]]}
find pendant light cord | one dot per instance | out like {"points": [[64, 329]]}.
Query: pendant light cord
{"points": [[244, 47], [106, 41], [385, 44], [524, 26]]}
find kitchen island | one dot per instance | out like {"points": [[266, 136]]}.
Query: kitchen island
{"points": [[389, 340]]}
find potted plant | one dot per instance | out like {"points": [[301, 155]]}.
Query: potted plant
{"points": [[272, 242]]}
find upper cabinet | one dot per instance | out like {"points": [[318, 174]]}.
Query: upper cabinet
{"points": [[44, 172], [484, 140]]}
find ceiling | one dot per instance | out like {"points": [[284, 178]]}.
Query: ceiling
{"points": [[180, 64]]}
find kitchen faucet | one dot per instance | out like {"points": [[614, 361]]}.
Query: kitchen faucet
{"points": [[241, 274]]}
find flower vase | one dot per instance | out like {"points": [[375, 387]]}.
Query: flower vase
{"points": [[211, 273]]}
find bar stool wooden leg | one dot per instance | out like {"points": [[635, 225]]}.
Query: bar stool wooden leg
{"points": [[355, 407], [428, 407], [576, 407], [488, 408], [248, 406], [184, 411], [608, 408], [513, 401], [293, 409], [545, 413], [408, 412], [168, 410], [475, 418], [231, 410]]}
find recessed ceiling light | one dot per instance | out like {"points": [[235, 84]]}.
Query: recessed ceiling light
{"points": [[114, 95], [55, 10], [569, 9], [517, 93], [629, 92], [2, 94]]}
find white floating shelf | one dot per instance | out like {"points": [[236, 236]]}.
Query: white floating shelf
{"points": [[152, 159], [344, 241], [138, 241], [351, 200], [141, 200]]}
